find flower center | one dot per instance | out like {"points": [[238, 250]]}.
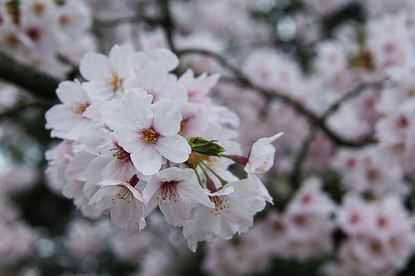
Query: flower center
{"points": [[123, 194], [12, 40], [78, 108], [122, 156], [221, 204], [149, 135], [64, 20], [169, 191], [113, 79], [38, 9], [33, 33], [402, 122]]}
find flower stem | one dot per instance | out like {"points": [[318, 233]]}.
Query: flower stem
{"points": [[198, 178], [222, 181]]}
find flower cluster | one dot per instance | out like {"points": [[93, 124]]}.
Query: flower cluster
{"points": [[304, 230], [45, 34], [379, 237], [136, 137]]}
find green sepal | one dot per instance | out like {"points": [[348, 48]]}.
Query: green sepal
{"points": [[205, 147]]}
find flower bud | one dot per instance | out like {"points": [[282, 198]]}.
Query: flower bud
{"points": [[205, 147]]}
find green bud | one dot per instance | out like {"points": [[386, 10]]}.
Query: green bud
{"points": [[205, 147]]}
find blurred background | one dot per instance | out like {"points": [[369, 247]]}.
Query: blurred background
{"points": [[336, 76]]}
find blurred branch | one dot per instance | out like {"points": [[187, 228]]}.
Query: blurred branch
{"points": [[241, 79], [130, 19], [295, 176], [40, 84], [352, 94], [18, 107], [167, 24]]}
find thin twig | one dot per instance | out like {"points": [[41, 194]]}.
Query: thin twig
{"points": [[351, 95], [295, 176]]}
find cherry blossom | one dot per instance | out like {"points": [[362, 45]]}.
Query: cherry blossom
{"points": [[177, 192], [107, 76], [149, 132], [66, 120], [235, 205], [124, 202]]}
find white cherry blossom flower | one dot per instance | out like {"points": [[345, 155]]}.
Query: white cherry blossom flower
{"points": [[148, 132], [123, 200], [107, 75], [235, 206], [178, 191], [260, 160], [156, 80], [66, 120]]}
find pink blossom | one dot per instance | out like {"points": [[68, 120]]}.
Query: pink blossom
{"points": [[124, 202], [149, 132], [235, 205], [260, 160], [107, 76], [177, 191], [66, 120]]}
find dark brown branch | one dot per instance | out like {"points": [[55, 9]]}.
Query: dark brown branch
{"points": [[351, 95], [295, 176], [131, 19], [167, 23], [270, 95], [40, 84], [18, 107]]}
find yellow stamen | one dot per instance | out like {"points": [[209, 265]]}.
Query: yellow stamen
{"points": [[149, 135]]}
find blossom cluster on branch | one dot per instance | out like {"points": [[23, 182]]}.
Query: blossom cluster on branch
{"points": [[166, 139], [136, 136]]}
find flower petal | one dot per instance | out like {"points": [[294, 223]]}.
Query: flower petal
{"points": [[94, 66], [167, 117], [174, 148], [148, 160]]}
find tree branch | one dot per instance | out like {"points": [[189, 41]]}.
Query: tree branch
{"points": [[167, 24], [352, 94], [295, 176], [18, 107], [40, 84], [270, 95]]}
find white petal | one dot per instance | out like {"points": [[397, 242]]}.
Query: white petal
{"points": [[167, 117], [152, 76], [151, 188], [175, 212], [94, 66], [120, 58], [174, 148], [129, 140], [93, 112], [111, 113], [98, 90], [136, 111], [69, 92], [165, 57], [125, 214], [103, 199], [148, 160]]}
